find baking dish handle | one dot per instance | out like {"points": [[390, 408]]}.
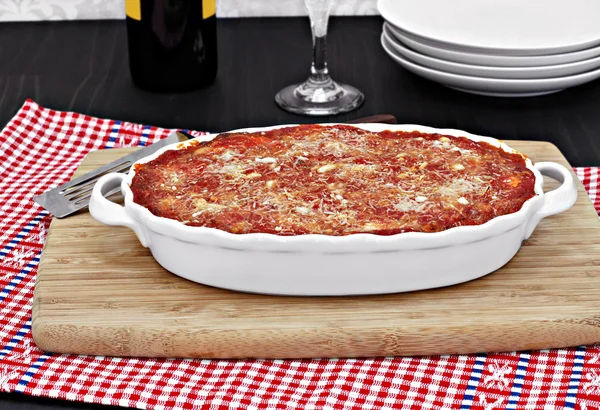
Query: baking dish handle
{"points": [[109, 213], [557, 200]]}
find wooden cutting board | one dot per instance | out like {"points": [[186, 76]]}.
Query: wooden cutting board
{"points": [[100, 292]]}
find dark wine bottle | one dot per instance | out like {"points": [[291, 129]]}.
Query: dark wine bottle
{"points": [[172, 44]]}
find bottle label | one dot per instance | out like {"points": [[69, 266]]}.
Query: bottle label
{"points": [[133, 9], [209, 8]]}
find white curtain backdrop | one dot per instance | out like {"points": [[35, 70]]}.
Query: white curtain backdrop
{"points": [[28, 10]]}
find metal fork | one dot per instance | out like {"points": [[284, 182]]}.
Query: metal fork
{"points": [[75, 194]]}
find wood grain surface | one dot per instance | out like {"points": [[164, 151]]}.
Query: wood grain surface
{"points": [[100, 292]]}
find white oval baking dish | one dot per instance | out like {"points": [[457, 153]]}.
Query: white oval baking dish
{"points": [[358, 264]]}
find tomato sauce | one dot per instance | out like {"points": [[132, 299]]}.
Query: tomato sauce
{"points": [[334, 180]]}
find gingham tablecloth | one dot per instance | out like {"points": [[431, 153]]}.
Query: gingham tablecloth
{"points": [[41, 148]]}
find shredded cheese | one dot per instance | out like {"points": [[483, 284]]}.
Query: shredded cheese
{"points": [[333, 180]]}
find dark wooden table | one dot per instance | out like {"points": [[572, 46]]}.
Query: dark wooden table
{"points": [[82, 66]]}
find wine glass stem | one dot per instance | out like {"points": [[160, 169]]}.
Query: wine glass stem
{"points": [[318, 69], [318, 13]]}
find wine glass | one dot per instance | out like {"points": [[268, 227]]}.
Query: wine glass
{"points": [[319, 95]]}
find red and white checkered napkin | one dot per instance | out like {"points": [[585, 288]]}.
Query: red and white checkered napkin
{"points": [[41, 148]]}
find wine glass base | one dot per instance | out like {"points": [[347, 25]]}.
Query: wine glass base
{"points": [[305, 99]]}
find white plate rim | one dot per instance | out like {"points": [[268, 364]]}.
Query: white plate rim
{"points": [[484, 84], [490, 71], [490, 59], [383, 6]]}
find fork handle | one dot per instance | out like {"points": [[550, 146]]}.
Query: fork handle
{"points": [[110, 213], [380, 118]]}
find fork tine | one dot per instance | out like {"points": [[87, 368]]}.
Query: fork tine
{"points": [[84, 191], [70, 191], [85, 201]]}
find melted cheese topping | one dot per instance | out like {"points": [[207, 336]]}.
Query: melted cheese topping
{"points": [[334, 180]]}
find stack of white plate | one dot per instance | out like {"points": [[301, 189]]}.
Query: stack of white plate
{"points": [[508, 48]]}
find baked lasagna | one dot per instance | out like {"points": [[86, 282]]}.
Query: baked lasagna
{"points": [[333, 180]]}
